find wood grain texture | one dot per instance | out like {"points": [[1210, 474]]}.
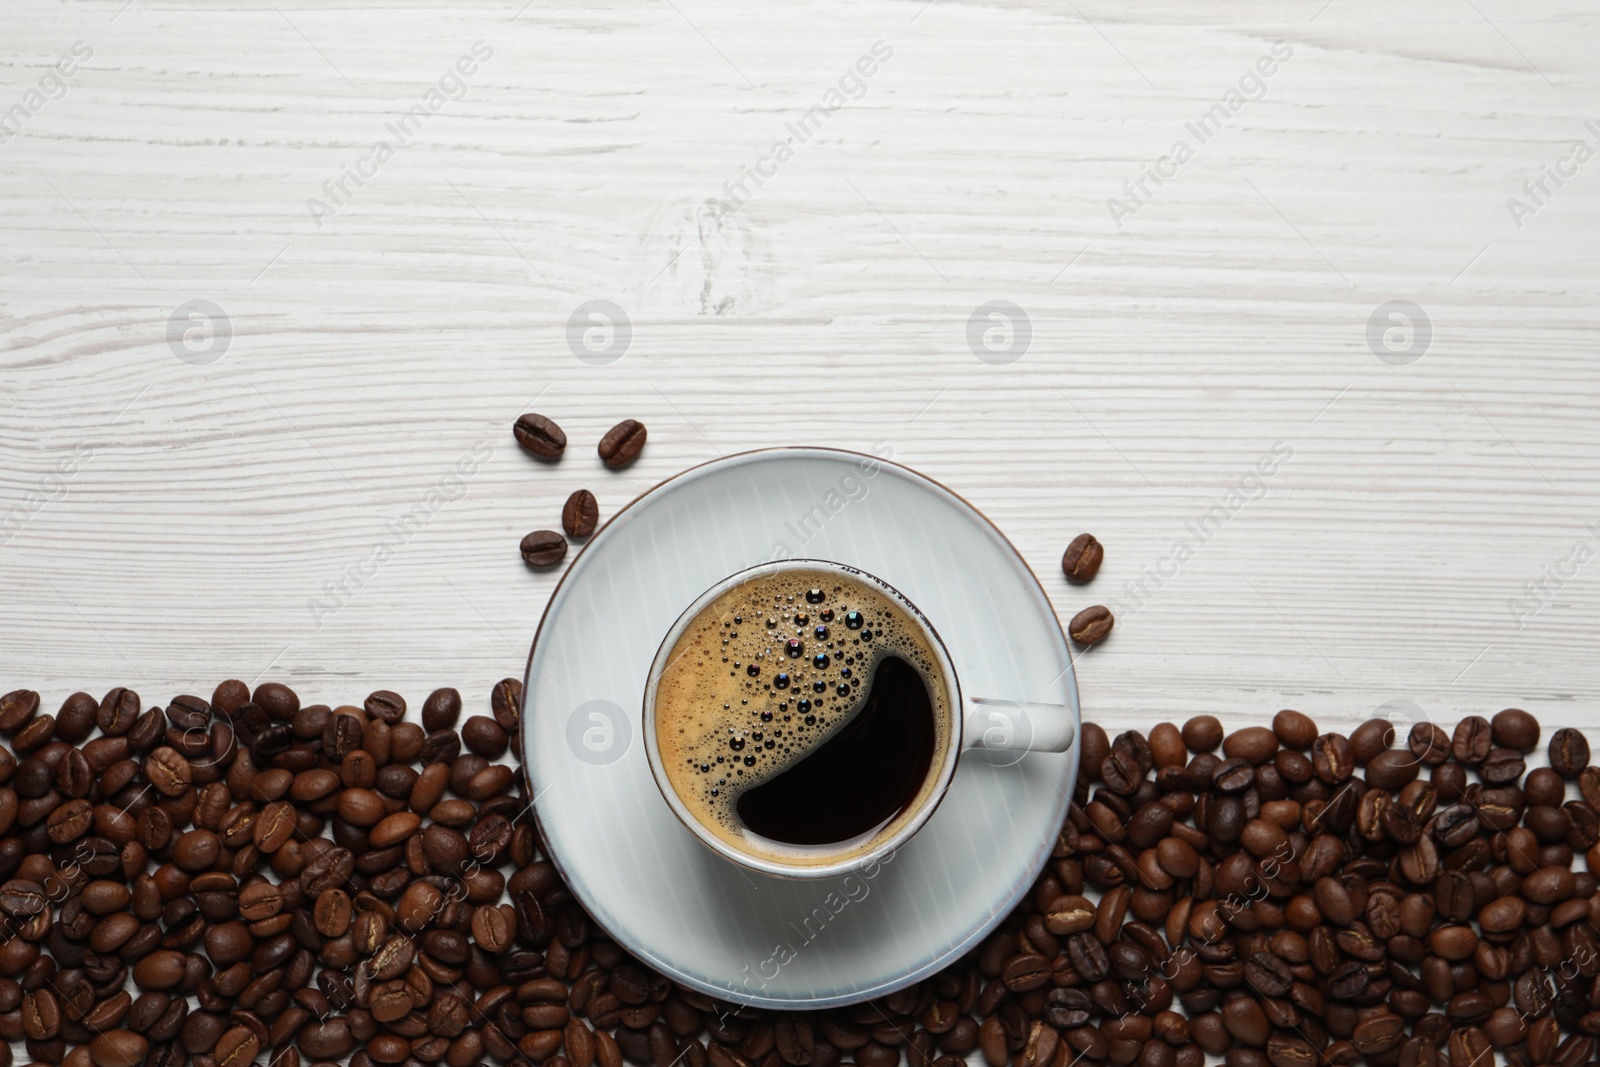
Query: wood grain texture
{"points": [[211, 507]]}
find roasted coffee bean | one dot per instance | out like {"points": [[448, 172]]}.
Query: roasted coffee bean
{"points": [[328, 869], [1378, 1033], [1469, 1047], [539, 436], [440, 747], [793, 1038], [1134, 744], [41, 1015], [394, 829], [1401, 823], [1371, 738], [1331, 758], [581, 514], [1025, 972], [1294, 729], [1549, 885], [1501, 765], [1289, 1051], [1167, 747], [327, 1039], [1069, 915], [1391, 769], [1226, 819], [1455, 825], [1088, 956], [622, 444], [1233, 775], [1419, 862], [238, 1047], [1082, 559], [1253, 744], [1246, 1021], [385, 706], [1367, 815], [1429, 743], [361, 807], [16, 708], [543, 548], [1471, 742], [1569, 752], [76, 719], [160, 970], [124, 1048], [74, 777], [1091, 625], [493, 927], [332, 912], [1336, 901], [1453, 942], [1516, 729], [70, 821], [118, 710], [992, 1040], [1120, 772], [22, 898], [484, 736], [1177, 857], [277, 700], [1503, 915], [441, 710], [1544, 788], [1268, 975], [1203, 733], [260, 901], [505, 702], [168, 771]]}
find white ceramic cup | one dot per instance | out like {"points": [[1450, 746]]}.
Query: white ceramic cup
{"points": [[988, 723]]}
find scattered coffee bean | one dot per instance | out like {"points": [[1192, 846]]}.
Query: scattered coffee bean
{"points": [[543, 548], [1091, 625], [581, 514], [1081, 562], [539, 437], [622, 444]]}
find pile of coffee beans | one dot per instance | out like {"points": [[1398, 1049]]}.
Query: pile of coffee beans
{"points": [[1311, 898], [250, 879], [541, 438]]}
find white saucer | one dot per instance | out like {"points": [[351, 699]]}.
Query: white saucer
{"points": [[665, 897]]}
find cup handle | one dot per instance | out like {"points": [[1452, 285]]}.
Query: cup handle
{"points": [[1017, 726]]}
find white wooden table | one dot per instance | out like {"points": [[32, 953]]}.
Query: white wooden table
{"points": [[167, 522]]}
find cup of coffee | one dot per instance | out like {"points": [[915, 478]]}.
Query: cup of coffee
{"points": [[803, 719]]}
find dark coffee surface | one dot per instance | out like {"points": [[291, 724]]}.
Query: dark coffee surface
{"points": [[859, 779]]}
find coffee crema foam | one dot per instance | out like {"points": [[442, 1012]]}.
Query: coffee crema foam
{"points": [[764, 675]]}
